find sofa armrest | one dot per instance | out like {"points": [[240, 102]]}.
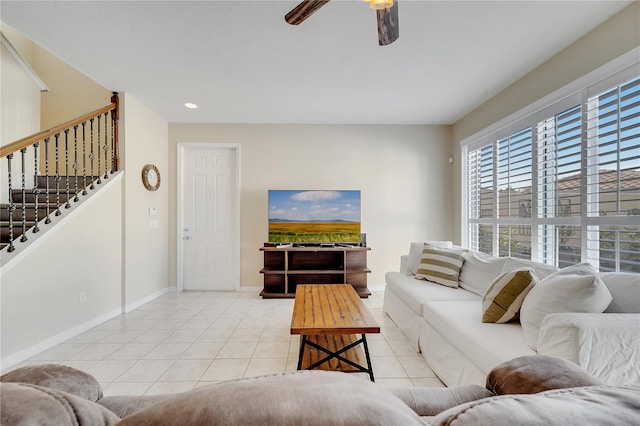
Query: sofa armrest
{"points": [[432, 401], [605, 345], [404, 267]]}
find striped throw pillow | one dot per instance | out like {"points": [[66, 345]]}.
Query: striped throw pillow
{"points": [[441, 266], [502, 300]]}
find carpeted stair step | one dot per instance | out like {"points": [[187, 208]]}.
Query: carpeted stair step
{"points": [[30, 197], [42, 181], [30, 212], [17, 231]]}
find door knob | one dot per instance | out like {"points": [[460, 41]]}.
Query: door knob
{"points": [[185, 238]]}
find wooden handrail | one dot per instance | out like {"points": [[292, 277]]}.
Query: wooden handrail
{"points": [[30, 140]]}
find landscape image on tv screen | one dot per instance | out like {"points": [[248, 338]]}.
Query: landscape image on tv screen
{"points": [[314, 216]]}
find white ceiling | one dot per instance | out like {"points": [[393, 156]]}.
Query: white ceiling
{"points": [[241, 63]]}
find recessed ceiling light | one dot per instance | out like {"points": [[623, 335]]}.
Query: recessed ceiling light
{"points": [[190, 105]]}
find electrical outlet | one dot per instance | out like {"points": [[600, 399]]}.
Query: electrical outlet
{"points": [[83, 296]]}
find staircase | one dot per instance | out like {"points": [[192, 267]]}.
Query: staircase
{"points": [[51, 201], [85, 150]]}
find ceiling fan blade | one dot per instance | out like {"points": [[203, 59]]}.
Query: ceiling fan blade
{"points": [[298, 14], [388, 25]]}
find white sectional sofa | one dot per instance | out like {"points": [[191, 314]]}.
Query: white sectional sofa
{"points": [[445, 324]]}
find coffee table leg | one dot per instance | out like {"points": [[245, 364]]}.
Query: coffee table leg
{"points": [[366, 354], [301, 354]]}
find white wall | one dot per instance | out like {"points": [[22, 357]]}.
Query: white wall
{"points": [[19, 95], [144, 140], [19, 105], [402, 171], [615, 37], [40, 303]]}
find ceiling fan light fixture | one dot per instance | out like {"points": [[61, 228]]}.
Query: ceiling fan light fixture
{"points": [[380, 4]]}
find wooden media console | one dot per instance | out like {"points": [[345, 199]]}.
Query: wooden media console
{"points": [[287, 267]]}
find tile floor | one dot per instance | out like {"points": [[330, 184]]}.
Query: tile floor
{"points": [[180, 341]]}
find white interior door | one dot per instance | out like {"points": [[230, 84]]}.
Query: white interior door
{"points": [[207, 228]]}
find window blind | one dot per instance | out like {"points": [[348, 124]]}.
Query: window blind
{"points": [[564, 188]]}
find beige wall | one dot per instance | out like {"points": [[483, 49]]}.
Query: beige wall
{"points": [[19, 95], [610, 40], [19, 105], [71, 93], [144, 140], [402, 171], [40, 304]]}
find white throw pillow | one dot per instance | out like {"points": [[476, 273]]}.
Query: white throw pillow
{"points": [[572, 289], [415, 253], [625, 290], [441, 266], [479, 271], [540, 269]]}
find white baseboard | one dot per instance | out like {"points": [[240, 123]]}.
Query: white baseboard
{"points": [[245, 289], [23, 355], [130, 307]]}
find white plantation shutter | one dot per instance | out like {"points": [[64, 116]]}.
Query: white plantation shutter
{"points": [[613, 178], [562, 185], [514, 175], [480, 182], [513, 168], [559, 187]]}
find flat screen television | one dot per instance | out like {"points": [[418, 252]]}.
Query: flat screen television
{"points": [[314, 217]]}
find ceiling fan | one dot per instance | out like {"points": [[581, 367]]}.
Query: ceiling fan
{"points": [[386, 16]]}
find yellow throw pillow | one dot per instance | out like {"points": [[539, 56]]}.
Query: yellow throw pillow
{"points": [[502, 300]]}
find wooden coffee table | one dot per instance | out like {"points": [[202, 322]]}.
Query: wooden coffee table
{"points": [[329, 318]]}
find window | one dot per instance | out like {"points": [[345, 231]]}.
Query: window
{"points": [[562, 185]]}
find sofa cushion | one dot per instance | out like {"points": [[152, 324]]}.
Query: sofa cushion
{"points": [[487, 345], [572, 289], [625, 291], [431, 401], [605, 345], [501, 303], [415, 293], [27, 404], [441, 266], [304, 397], [537, 373], [541, 270], [60, 377], [415, 253], [125, 405], [479, 271], [592, 405]]}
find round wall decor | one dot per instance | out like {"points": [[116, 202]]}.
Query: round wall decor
{"points": [[151, 177]]}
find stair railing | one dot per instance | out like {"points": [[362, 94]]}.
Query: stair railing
{"points": [[73, 145]]}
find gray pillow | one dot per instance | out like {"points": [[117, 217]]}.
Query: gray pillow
{"points": [[59, 377], [24, 404], [537, 373], [300, 398]]}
